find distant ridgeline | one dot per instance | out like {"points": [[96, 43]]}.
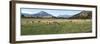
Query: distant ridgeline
{"points": [[42, 14], [83, 15]]}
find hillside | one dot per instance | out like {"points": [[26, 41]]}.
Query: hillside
{"points": [[83, 15], [41, 14]]}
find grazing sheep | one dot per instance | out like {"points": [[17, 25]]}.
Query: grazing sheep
{"points": [[32, 21], [56, 22], [48, 22], [38, 21], [70, 21]]}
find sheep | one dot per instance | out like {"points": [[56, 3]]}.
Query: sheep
{"points": [[56, 22], [49, 22]]}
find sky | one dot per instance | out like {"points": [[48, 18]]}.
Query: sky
{"points": [[54, 12]]}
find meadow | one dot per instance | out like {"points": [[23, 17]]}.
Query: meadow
{"points": [[30, 26]]}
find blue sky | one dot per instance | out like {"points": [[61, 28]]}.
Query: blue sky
{"points": [[50, 11]]}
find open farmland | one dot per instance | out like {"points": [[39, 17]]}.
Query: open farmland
{"points": [[31, 26]]}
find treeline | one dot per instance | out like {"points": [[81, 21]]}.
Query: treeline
{"points": [[37, 17]]}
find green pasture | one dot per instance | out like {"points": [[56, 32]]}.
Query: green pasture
{"points": [[31, 27]]}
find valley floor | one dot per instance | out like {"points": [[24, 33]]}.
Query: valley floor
{"points": [[55, 26]]}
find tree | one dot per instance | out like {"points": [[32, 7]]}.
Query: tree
{"points": [[22, 16]]}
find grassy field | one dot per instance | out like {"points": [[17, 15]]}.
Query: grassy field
{"points": [[55, 26]]}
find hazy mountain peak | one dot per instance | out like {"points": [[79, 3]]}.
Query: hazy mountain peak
{"points": [[42, 13], [65, 16]]}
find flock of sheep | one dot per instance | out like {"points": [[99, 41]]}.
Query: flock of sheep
{"points": [[53, 21], [43, 22]]}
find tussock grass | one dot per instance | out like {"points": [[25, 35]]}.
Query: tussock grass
{"points": [[55, 26]]}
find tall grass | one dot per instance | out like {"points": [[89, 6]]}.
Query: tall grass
{"points": [[78, 26]]}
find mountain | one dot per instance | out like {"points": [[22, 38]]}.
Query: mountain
{"points": [[41, 14], [25, 14], [64, 16], [83, 15]]}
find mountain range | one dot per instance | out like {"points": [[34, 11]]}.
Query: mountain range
{"points": [[41, 14], [81, 15], [65, 16]]}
